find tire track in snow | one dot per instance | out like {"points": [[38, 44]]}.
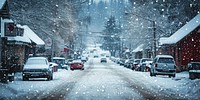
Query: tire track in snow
{"points": [[141, 89], [61, 92]]}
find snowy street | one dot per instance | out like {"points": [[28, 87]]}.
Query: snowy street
{"points": [[99, 49], [102, 81]]}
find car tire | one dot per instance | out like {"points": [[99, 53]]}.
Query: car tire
{"points": [[174, 75], [154, 74], [51, 77], [191, 76], [24, 78], [151, 74]]}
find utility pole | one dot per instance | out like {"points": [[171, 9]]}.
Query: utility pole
{"points": [[154, 32], [154, 39]]}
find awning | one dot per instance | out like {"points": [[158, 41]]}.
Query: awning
{"points": [[19, 40], [31, 35]]}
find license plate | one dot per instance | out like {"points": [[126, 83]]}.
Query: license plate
{"points": [[166, 70]]}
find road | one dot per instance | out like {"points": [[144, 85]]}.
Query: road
{"points": [[105, 81], [99, 81]]}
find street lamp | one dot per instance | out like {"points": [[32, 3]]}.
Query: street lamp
{"points": [[154, 30]]}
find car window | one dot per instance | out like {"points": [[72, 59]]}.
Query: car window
{"points": [[165, 60]]}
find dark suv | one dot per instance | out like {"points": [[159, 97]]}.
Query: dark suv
{"points": [[194, 70]]}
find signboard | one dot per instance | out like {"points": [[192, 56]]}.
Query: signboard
{"points": [[10, 29]]}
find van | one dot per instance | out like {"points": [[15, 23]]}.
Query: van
{"points": [[163, 65]]}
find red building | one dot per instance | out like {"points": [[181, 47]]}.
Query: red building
{"points": [[183, 45]]}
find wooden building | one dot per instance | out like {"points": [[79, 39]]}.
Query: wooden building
{"points": [[183, 45]]}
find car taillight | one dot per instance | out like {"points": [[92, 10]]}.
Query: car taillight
{"points": [[156, 65]]}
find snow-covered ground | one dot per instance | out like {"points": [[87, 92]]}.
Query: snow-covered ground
{"points": [[181, 84]]}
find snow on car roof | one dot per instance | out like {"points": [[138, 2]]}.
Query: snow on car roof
{"points": [[168, 56], [76, 61]]}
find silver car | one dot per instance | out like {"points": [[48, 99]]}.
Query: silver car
{"points": [[37, 67], [163, 65]]}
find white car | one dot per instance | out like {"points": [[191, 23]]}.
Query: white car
{"points": [[37, 67], [163, 65]]}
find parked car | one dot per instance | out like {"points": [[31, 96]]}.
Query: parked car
{"points": [[61, 61], [142, 65], [76, 64], [37, 67], [83, 59], [54, 66], [103, 59], [121, 62], [163, 65], [194, 70], [147, 66], [135, 63], [129, 63]]}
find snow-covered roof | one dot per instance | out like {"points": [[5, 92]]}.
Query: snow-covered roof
{"points": [[127, 50], [139, 48], [182, 32], [2, 3], [8, 20], [31, 35], [19, 39]]}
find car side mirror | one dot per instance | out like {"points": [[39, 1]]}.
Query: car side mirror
{"points": [[189, 65]]}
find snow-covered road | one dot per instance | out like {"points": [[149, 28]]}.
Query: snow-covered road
{"points": [[103, 81]]}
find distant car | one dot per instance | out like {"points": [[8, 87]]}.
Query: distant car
{"points": [[121, 62], [147, 66], [103, 60], [142, 65], [54, 66], [76, 64], [83, 59], [96, 56], [194, 70], [163, 65], [135, 63], [61, 61], [128, 63], [37, 67]]}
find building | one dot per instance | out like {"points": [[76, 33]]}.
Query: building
{"points": [[142, 51], [17, 41], [183, 45]]}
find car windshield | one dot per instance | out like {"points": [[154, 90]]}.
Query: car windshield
{"points": [[144, 60], [111, 39], [165, 60], [36, 61], [137, 61]]}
